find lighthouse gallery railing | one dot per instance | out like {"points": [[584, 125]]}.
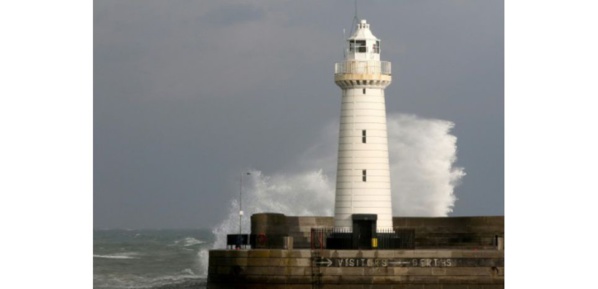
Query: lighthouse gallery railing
{"points": [[362, 67]]}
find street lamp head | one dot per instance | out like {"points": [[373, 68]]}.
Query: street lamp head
{"points": [[240, 213]]}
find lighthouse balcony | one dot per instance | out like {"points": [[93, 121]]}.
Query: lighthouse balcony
{"points": [[362, 67], [357, 73]]}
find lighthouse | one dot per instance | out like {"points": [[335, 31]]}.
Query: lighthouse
{"points": [[363, 196]]}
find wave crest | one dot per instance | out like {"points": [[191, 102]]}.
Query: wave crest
{"points": [[188, 241], [116, 256]]}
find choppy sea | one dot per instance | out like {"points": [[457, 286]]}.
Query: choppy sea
{"points": [[164, 259]]}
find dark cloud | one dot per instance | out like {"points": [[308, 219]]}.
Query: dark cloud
{"points": [[233, 14]]}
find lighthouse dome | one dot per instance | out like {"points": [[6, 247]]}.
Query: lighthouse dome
{"points": [[363, 32], [363, 45]]}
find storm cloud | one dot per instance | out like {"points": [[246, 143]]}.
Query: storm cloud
{"points": [[189, 94]]}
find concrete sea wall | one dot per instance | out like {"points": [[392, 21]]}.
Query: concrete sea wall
{"points": [[450, 253], [375, 269], [478, 232]]}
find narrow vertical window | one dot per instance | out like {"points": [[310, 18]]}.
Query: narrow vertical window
{"points": [[364, 91], [363, 175], [363, 136]]}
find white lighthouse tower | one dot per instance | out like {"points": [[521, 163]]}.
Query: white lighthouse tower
{"points": [[363, 174]]}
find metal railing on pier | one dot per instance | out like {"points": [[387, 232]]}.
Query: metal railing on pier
{"points": [[345, 239]]}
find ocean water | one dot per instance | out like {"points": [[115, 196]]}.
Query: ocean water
{"points": [[165, 259]]}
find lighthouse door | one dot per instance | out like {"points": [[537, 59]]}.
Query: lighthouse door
{"points": [[364, 229]]}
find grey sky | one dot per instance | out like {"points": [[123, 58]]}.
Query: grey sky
{"points": [[187, 94]]}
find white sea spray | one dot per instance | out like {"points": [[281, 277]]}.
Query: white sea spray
{"points": [[422, 155]]}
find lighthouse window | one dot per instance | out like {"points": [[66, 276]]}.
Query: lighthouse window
{"points": [[363, 136], [377, 47], [363, 175], [352, 45], [360, 44], [364, 91]]}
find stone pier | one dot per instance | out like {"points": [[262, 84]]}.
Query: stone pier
{"points": [[373, 269], [449, 253]]}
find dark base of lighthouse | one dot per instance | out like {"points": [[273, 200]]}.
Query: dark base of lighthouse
{"points": [[289, 252], [363, 235]]}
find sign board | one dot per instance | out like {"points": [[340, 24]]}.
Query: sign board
{"points": [[408, 262]]}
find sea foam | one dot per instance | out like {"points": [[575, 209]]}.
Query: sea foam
{"points": [[189, 241], [114, 257]]}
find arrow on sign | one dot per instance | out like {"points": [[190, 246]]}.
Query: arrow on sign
{"points": [[399, 262], [328, 262]]}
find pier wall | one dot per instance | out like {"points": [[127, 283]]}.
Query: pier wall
{"points": [[356, 269], [478, 232]]}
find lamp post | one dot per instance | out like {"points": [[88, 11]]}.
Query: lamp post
{"points": [[241, 204]]}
